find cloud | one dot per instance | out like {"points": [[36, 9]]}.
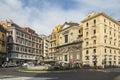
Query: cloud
{"points": [[44, 15], [111, 7]]}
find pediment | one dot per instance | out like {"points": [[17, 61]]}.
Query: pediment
{"points": [[65, 26]]}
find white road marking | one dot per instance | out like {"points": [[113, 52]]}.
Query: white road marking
{"points": [[24, 78]]}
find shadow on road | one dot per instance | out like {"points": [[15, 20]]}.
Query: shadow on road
{"points": [[79, 74]]}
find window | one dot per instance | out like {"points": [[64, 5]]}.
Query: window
{"points": [[115, 51], [86, 43], [110, 50], [22, 34], [21, 49], [109, 23], [60, 37], [87, 57], [54, 43], [114, 34], [104, 20], [87, 24], [86, 33], [65, 58], [114, 57], [79, 36], [10, 32], [114, 43], [110, 32], [94, 41], [119, 44], [94, 22], [94, 57], [94, 50], [17, 48], [115, 61], [87, 51], [25, 49], [105, 41], [104, 30], [114, 25], [119, 36], [105, 50], [71, 33], [3, 36], [3, 40], [66, 38], [29, 50], [94, 31], [79, 31], [110, 42]]}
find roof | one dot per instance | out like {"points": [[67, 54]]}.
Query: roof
{"points": [[70, 24], [2, 29], [93, 15]]}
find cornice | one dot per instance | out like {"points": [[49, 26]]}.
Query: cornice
{"points": [[103, 14]]}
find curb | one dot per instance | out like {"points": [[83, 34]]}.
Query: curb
{"points": [[42, 71]]}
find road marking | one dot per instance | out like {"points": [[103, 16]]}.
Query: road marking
{"points": [[24, 78]]}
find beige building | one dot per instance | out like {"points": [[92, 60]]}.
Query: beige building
{"points": [[54, 41], [45, 47], [94, 42], [69, 49], [3, 45], [101, 40]]}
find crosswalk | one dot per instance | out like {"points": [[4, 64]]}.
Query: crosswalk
{"points": [[24, 78]]}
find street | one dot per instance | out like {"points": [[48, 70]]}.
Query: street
{"points": [[83, 74]]}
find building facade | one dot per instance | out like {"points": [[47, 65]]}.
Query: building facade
{"points": [[3, 48], [24, 45], [101, 40], [54, 41], [45, 45], [69, 49]]}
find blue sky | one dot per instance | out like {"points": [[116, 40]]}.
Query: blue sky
{"points": [[44, 15]]}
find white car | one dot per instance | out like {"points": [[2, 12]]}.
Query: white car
{"points": [[9, 64], [28, 64]]}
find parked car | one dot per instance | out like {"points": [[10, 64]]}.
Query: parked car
{"points": [[9, 64], [28, 64], [86, 66]]}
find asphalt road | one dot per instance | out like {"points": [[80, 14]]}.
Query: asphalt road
{"points": [[84, 74]]}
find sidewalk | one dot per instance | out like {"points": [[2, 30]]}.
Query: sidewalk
{"points": [[106, 70]]}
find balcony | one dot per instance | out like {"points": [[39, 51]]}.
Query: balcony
{"points": [[110, 37], [94, 25], [86, 38], [53, 40], [93, 36], [105, 35], [86, 28]]}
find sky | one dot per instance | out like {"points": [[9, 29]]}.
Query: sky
{"points": [[43, 15]]}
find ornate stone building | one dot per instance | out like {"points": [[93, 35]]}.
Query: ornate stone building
{"points": [[69, 50]]}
